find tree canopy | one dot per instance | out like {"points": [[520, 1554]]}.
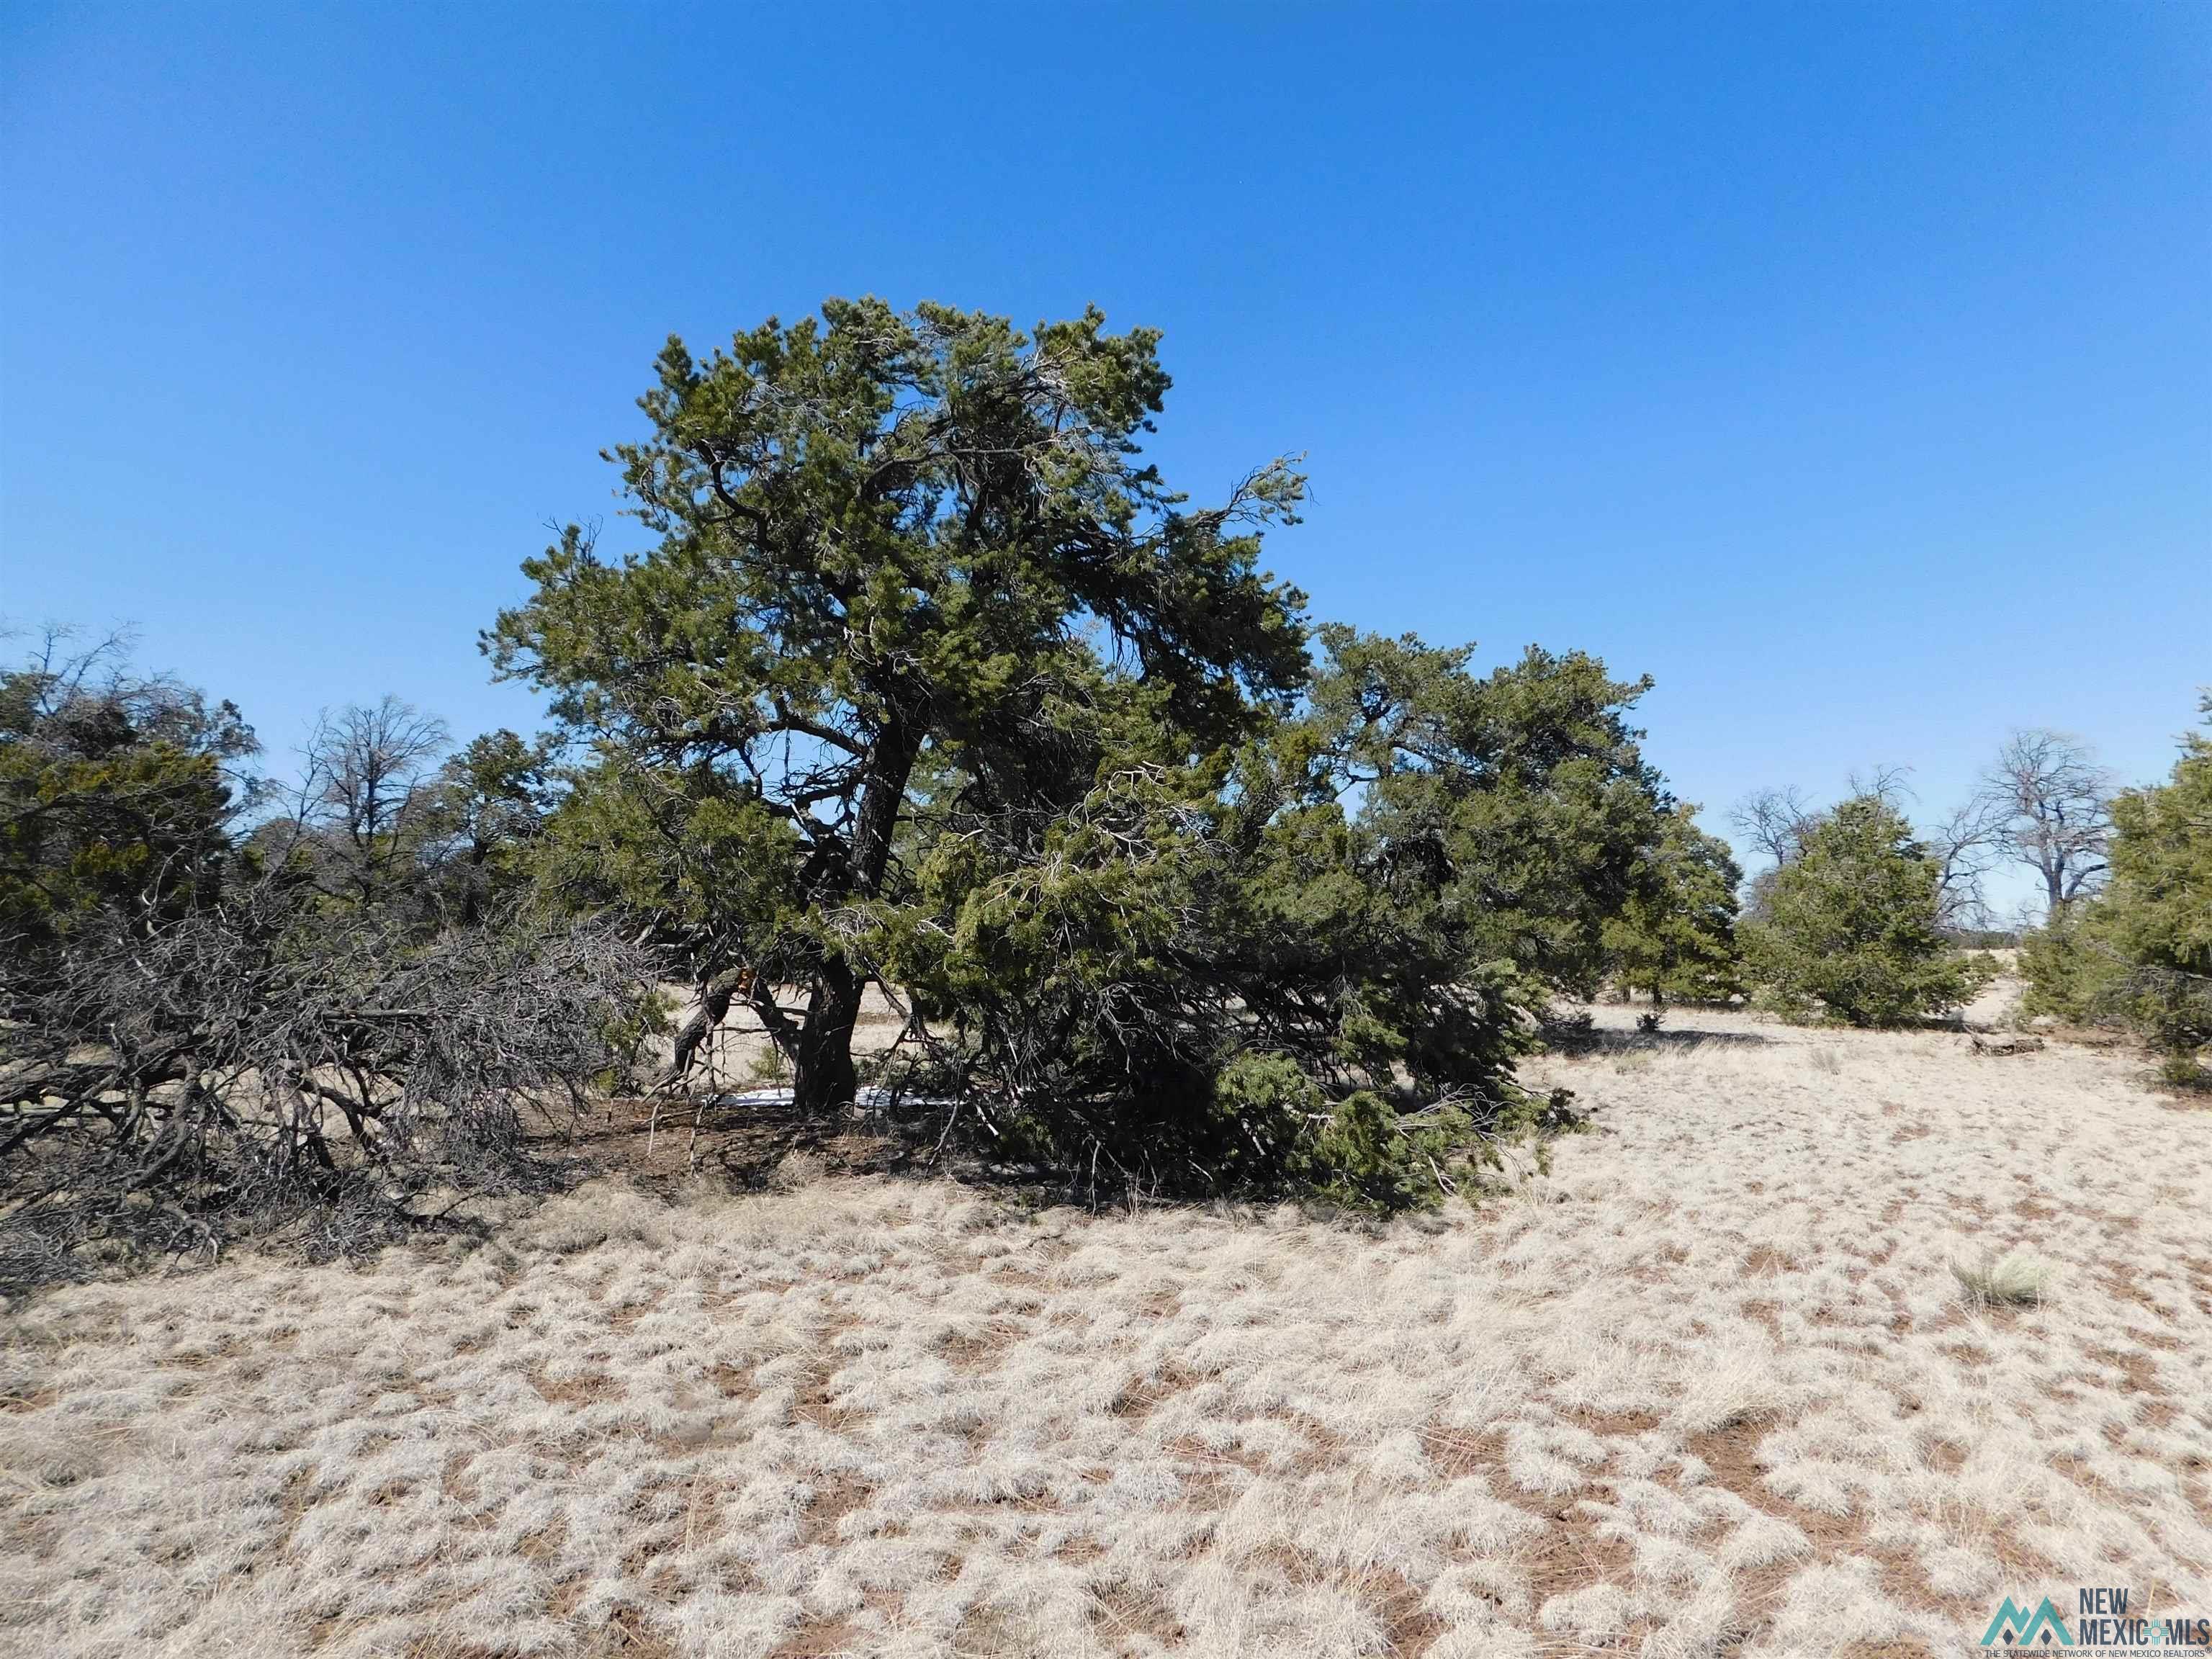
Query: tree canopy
{"points": [[117, 793], [883, 537], [1525, 785], [1674, 937]]}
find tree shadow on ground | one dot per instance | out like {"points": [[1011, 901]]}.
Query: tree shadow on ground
{"points": [[1577, 1041], [740, 1141]]}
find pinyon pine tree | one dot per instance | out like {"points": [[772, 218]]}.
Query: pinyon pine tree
{"points": [[1851, 932], [897, 555]]}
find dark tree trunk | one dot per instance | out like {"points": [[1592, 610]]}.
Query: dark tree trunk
{"points": [[823, 1078], [714, 999]]}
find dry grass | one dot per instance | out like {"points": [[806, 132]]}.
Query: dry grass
{"points": [[2003, 1281], [1710, 1389]]}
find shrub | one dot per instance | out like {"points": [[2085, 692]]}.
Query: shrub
{"points": [[1186, 981], [1851, 935], [116, 796], [1368, 1155], [2072, 973], [2010, 1280]]}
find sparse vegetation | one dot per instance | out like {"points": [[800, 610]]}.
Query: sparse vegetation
{"points": [[933, 712], [931, 685], [1002, 1064], [209, 1033]]}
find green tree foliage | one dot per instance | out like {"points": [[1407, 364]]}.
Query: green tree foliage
{"points": [[891, 548], [1206, 976], [929, 679], [2140, 952], [485, 813], [1374, 896], [117, 797], [1852, 929], [1524, 788], [1674, 937]]}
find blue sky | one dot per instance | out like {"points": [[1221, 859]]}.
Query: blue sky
{"points": [[1847, 368]]}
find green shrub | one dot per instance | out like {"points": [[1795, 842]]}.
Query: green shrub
{"points": [[1675, 938], [1183, 984], [1851, 935], [2072, 973], [1370, 1156]]}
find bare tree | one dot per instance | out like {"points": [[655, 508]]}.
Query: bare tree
{"points": [[1966, 845], [1775, 822], [365, 783], [1886, 783], [2053, 804]]}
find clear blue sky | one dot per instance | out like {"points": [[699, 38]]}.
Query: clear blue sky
{"points": [[1848, 368]]}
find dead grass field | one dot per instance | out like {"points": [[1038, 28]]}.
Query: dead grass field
{"points": [[1712, 1387]]}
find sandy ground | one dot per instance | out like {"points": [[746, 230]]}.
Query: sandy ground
{"points": [[1712, 1387]]}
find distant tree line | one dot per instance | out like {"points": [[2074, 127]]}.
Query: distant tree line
{"points": [[927, 681], [1859, 917]]}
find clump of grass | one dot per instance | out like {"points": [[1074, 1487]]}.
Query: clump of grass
{"points": [[2183, 1071], [796, 1170], [1825, 1059], [2011, 1280]]}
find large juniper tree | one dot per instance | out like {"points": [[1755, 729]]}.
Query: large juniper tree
{"points": [[891, 549]]}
